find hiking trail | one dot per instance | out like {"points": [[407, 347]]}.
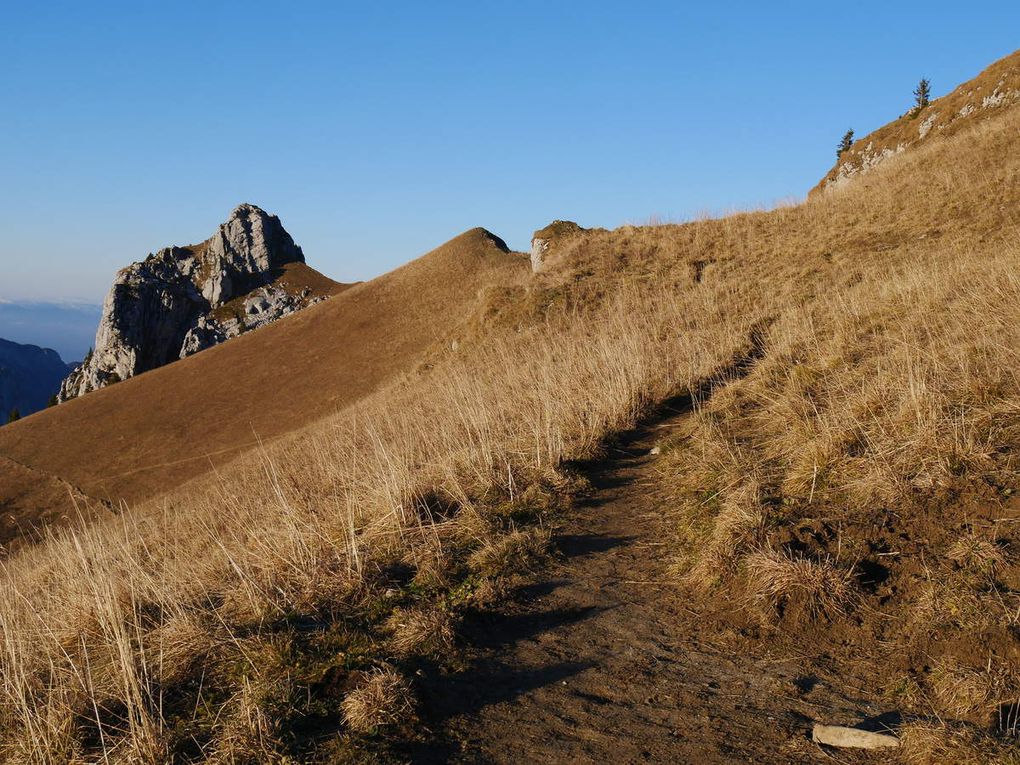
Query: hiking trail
{"points": [[599, 659]]}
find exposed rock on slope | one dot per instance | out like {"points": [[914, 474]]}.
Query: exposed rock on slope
{"points": [[185, 299], [29, 377], [983, 97], [543, 240], [263, 306]]}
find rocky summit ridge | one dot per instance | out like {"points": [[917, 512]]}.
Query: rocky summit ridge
{"points": [[182, 300]]}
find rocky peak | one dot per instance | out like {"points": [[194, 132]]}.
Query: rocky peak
{"points": [[251, 242], [162, 308]]}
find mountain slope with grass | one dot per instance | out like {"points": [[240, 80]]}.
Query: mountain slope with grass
{"points": [[814, 521], [982, 98], [148, 434]]}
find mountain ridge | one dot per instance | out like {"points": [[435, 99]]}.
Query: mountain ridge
{"points": [[976, 100]]}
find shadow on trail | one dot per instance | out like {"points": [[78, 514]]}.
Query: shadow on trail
{"points": [[578, 545], [490, 677], [488, 680], [497, 630], [448, 696]]}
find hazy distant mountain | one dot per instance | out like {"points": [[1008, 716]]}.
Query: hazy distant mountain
{"points": [[68, 328], [29, 377]]}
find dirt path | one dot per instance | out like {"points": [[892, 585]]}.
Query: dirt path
{"points": [[599, 660]]}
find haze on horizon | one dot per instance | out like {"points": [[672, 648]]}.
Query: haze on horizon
{"points": [[377, 133]]}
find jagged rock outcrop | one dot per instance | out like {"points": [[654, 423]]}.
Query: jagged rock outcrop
{"points": [[263, 307], [29, 377], [182, 300], [545, 238]]}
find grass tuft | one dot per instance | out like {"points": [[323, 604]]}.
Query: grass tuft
{"points": [[381, 698], [782, 580], [421, 631]]}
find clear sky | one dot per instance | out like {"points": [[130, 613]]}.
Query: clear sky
{"points": [[378, 130]]}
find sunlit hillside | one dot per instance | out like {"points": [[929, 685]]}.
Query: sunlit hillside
{"points": [[836, 482]]}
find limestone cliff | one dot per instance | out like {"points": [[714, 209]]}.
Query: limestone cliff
{"points": [[182, 300]]}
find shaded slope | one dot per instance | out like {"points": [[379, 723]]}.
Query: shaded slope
{"points": [[146, 435], [29, 376], [30, 499]]}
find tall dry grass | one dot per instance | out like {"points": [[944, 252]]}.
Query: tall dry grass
{"points": [[193, 627], [101, 625], [874, 446]]}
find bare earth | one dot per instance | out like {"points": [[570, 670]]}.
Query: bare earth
{"points": [[601, 660]]}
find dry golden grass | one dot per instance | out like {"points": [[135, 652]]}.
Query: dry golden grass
{"points": [[733, 530], [878, 434], [313, 528], [938, 743], [883, 323], [782, 579], [381, 698], [421, 631], [511, 553], [961, 691], [975, 552]]}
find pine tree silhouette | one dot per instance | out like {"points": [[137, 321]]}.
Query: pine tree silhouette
{"points": [[845, 143]]}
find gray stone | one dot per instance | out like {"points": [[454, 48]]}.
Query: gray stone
{"points": [[161, 309], [840, 736], [539, 247]]}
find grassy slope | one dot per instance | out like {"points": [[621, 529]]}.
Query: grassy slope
{"points": [[279, 609], [150, 433], [32, 498], [974, 101]]}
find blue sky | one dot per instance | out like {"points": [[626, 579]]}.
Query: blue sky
{"points": [[379, 130]]}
